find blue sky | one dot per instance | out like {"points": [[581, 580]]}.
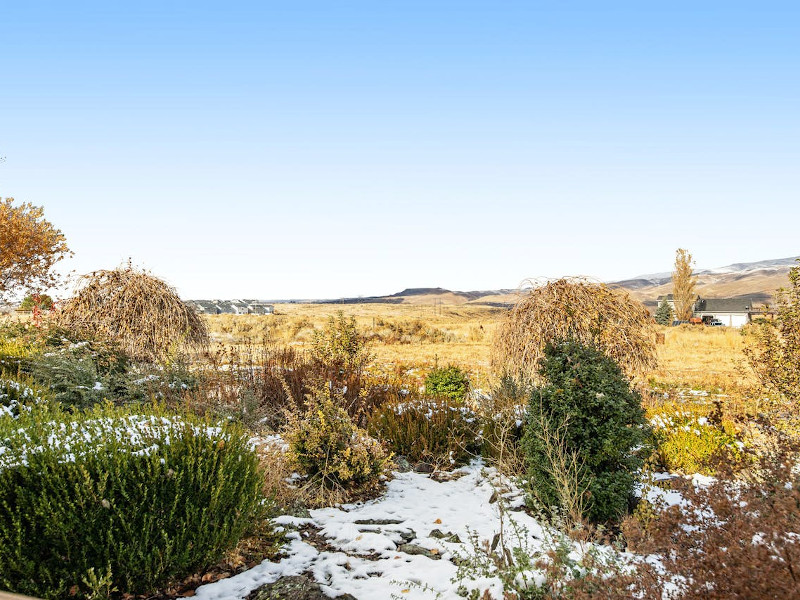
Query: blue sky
{"points": [[326, 149]]}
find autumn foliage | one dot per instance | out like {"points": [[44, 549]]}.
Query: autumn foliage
{"points": [[29, 247]]}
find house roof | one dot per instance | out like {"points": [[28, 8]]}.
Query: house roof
{"points": [[724, 305]]}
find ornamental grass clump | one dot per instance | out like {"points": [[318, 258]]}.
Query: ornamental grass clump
{"points": [[591, 313], [139, 312], [338, 457], [439, 431], [582, 431], [138, 499]]}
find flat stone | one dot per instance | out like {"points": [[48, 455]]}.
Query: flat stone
{"points": [[300, 587], [378, 521], [416, 550], [447, 537]]}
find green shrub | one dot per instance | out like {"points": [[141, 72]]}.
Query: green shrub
{"points": [[691, 442], [326, 446], [439, 431], [448, 382], [340, 354], [588, 407], [43, 301], [15, 396], [133, 499]]}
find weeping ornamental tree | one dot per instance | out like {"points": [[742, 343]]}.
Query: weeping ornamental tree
{"points": [[136, 310], [586, 312]]}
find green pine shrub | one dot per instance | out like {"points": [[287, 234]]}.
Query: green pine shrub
{"points": [[335, 454], [589, 412], [664, 313], [439, 431], [136, 499], [447, 382]]}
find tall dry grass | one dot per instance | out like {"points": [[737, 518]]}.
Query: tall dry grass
{"points": [[708, 358]]}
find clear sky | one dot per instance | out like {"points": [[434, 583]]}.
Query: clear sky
{"points": [[325, 149]]}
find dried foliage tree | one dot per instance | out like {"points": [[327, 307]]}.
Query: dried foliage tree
{"points": [[138, 311], [775, 353], [683, 284], [29, 247], [588, 312]]}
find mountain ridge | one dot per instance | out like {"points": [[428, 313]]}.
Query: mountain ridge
{"points": [[756, 280]]}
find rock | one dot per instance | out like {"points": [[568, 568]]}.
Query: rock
{"points": [[402, 464], [447, 537], [378, 521], [423, 467], [416, 550], [408, 536], [300, 587]]}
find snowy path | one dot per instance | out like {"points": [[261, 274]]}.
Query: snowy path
{"points": [[399, 545]]}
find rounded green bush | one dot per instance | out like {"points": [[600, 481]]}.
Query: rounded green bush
{"points": [[130, 500], [327, 446], [600, 421], [447, 382]]}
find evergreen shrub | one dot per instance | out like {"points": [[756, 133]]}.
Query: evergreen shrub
{"points": [[600, 420], [330, 449], [447, 382], [132, 499]]}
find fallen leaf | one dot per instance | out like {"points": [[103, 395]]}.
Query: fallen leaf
{"points": [[434, 551], [438, 521], [207, 577]]}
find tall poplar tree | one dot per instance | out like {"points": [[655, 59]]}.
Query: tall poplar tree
{"points": [[683, 283]]}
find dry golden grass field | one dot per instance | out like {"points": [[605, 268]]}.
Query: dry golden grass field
{"points": [[405, 336]]}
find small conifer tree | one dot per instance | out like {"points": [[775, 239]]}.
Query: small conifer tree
{"points": [[599, 421], [664, 313]]}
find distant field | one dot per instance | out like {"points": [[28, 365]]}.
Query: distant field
{"points": [[405, 335]]}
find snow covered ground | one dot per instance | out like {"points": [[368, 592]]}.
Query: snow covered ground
{"points": [[400, 545]]}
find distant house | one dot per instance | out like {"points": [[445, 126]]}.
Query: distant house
{"points": [[232, 307], [732, 312]]}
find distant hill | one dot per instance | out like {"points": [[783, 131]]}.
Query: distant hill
{"points": [[756, 280]]}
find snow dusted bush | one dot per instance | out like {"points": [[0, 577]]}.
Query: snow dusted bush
{"points": [[134, 498], [689, 441], [326, 445], [440, 431], [16, 396], [589, 410]]}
